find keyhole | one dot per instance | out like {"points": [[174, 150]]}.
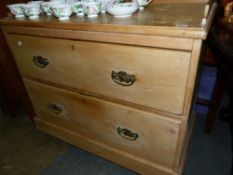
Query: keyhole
{"points": [[73, 47]]}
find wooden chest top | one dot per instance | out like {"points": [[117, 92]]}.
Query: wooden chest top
{"points": [[164, 19]]}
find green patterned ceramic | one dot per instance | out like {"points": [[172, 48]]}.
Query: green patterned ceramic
{"points": [[143, 3], [62, 11], [78, 8], [16, 10], [46, 8], [32, 10], [92, 8]]}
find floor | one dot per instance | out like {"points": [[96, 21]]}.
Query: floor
{"points": [[23, 149], [26, 151]]}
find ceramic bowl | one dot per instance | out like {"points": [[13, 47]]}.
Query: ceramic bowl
{"points": [[143, 3], [32, 10], [104, 4], [91, 8], [45, 8], [53, 3], [16, 10], [64, 1], [122, 9], [62, 11], [78, 8], [36, 2]]}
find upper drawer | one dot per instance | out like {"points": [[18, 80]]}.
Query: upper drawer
{"points": [[149, 77]]}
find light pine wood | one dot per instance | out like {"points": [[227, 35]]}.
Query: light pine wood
{"points": [[131, 39], [180, 147], [210, 18], [187, 126], [161, 46], [187, 140], [100, 149], [122, 158], [99, 120], [161, 74], [156, 19], [192, 76]]}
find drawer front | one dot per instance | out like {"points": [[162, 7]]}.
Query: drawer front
{"points": [[141, 134], [150, 77]]}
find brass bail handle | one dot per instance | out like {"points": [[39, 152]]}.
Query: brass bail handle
{"points": [[123, 78], [55, 108], [127, 134], [40, 61]]}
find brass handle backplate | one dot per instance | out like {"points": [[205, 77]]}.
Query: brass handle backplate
{"points": [[40, 61], [123, 78], [57, 109], [127, 134]]}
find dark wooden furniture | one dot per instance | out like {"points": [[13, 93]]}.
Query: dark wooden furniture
{"points": [[211, 58], [214, 102], [221, 43], [11, 87]]}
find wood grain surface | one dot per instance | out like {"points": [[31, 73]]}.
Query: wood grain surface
{"points": [[98, 120], [174, 19], [161, 74]]}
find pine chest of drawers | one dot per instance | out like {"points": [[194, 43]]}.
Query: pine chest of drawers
{"points": [[119, 88]]}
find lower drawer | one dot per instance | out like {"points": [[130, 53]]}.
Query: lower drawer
{"points": [[143, 135]]}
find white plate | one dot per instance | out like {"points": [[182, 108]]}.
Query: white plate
{"points": [[121, 10]]}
